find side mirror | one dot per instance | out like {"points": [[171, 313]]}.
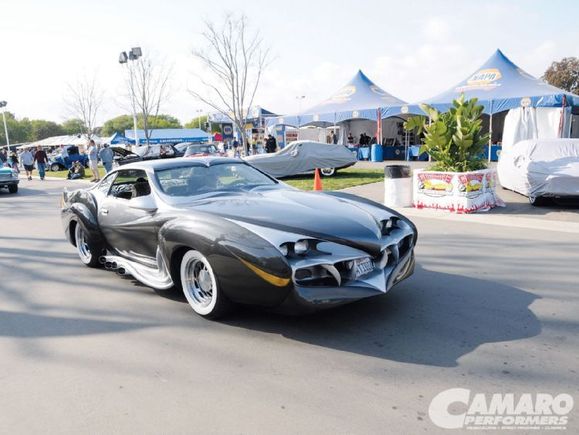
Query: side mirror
{"points": [[145, 203]]}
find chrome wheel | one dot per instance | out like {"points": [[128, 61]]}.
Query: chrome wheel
{"points": [[328, 172], [199, 283], [82, 245]]}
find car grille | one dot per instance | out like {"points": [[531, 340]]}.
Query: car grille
{"points": [[5, 177]]}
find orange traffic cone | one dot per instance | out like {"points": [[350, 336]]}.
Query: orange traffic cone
{"points": [[317, 180]]}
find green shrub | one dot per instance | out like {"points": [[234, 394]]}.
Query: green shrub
{"points": [[453, 139]]}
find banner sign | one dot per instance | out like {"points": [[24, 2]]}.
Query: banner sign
{"points": [[460, 192]]}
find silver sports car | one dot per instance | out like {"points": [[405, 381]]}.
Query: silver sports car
{"points": [[303, 156]]}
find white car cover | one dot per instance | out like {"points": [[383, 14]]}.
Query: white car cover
{"points": [[302, 156], [537, 167]]}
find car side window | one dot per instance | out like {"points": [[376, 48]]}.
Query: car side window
{"points": [[105, 185], [130, 183]]}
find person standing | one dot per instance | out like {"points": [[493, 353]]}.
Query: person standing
{"points": [[28, 162], [14, 162], [106, 155], [93, 160], [41, 160]]}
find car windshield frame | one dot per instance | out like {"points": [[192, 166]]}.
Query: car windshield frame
{"points": [[187, 195]]}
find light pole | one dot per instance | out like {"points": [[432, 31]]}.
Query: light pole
{"points": [[300, 98], [134, 54], [199, 112], [3, 104]]}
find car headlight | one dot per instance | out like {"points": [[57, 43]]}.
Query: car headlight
{"points": [[301, 247], [14, 174], [387, 225]]}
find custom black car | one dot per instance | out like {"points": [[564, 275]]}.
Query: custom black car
{"points": [[226, 233], [145, 152]]}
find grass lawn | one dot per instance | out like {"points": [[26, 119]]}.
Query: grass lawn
{"points": [[87, 173], [348, 177]]}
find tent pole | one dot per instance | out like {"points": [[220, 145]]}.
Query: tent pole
{"points": [[491, 131]]}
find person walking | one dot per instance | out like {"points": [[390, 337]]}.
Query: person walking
{"points": [[14, 162], [41, 160], [93, 160], [28, 162], [106, 155]]}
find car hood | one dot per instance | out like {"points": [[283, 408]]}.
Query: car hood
{"points": [[312, 214]]}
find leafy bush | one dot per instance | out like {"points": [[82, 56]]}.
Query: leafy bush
{"points": [[453, 139]]}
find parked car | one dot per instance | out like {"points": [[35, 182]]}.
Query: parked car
{"points": [[202, 150], [9, 179], [226, 233], [541, 169], [145, 152], [57, 163], [302, 157]]}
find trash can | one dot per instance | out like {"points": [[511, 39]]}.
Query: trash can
{"points": [[376, 153], [397, 186]]}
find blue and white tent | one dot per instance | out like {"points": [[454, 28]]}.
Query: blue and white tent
{"points": [[360, 98], [501, 85], [170, 135]]}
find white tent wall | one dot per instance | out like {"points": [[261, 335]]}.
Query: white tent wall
{"points": [[315, 134], [534, 123]]}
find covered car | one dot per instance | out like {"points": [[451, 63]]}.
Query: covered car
{"points": [[541, 168], [303, 156]]}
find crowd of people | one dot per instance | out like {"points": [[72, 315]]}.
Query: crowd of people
{"points": [[29, 159]]}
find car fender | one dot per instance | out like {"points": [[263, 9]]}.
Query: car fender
{"points": [[236, 255], [81, 209]]}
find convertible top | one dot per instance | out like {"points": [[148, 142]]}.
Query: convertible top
{"points": [[162, 164]]}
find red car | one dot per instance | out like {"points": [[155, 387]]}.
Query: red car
{"points": [[202, 150]]}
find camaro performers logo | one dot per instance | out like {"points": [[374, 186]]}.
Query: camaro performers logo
{"points": [[457, 408]]}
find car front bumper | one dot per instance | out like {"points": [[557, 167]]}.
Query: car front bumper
{"points": [[309, 299]]}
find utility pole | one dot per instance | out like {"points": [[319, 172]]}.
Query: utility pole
{"points": [[134, 54]]}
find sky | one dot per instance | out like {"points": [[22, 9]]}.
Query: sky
{"points": [[412, 49]]}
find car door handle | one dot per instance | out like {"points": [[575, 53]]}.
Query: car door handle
{"points": [[104, 211]]}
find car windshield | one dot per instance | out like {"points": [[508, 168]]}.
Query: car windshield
{"points": [[198, 180], [200, 149]]}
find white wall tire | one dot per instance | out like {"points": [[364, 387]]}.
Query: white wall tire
{"points": [[328, 172], [200, 286]]}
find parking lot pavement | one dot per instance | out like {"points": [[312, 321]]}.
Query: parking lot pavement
{"points": [[491, 308]]}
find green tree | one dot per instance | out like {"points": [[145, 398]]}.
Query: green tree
{"points": [[41, 129], [200, 121], [125, 122], [19, 131], [73, 126], [164, 121], [118, 124], [564, 74]]}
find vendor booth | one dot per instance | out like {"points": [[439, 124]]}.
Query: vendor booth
{"points": [[353, 114], [255, 124], [518, 106]]}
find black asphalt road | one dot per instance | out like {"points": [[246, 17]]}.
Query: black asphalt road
{"points": [[491, 308]]}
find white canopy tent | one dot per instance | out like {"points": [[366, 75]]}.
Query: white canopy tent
{"points": [[62, 140]]}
